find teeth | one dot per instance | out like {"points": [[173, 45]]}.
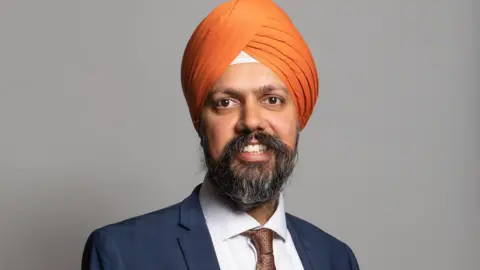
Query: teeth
{"points": [[257, 148]]}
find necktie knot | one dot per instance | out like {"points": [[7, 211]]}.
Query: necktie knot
{"points": [[263, 241]]}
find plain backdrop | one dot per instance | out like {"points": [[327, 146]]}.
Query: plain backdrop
{"points": [[94, 128]]}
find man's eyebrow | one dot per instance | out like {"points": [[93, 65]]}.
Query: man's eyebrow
{"points": [[268, 88], [261, 90], [228, 90]]}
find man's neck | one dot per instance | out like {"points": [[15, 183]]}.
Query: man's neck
{"points": [[264, 212]]}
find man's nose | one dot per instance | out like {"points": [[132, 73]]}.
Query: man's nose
{"points": [[251, 119]]}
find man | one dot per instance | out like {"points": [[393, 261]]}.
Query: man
{"points": [[251, 84]]}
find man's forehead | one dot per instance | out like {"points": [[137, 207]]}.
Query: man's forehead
{"points": [[260, 89], [248, 76]]}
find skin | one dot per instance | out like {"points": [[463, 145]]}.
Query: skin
{"points": [[249, 97]]}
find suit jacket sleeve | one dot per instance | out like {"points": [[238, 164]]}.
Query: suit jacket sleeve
{"points": [[101, 253]]}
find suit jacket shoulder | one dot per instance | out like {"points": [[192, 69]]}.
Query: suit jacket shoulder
{"points": [[147, 238]]}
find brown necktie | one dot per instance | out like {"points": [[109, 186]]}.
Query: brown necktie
{"points": [[263, 241]]}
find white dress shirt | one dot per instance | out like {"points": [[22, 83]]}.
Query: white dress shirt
{"points": [[235, 251]]}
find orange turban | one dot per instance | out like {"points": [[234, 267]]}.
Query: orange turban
{"points": [[264, 31]]}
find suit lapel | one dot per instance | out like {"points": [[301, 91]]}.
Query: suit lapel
{"points": [[313, 254], [302, 246], [195, 241]]}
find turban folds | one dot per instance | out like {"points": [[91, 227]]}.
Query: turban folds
{"points": [[262, 30]]}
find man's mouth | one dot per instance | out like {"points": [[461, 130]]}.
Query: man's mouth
{"points": [[255, 153], [255, 148]]}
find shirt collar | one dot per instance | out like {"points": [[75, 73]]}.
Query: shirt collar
{"points": [[224, 222], [277, 221]]}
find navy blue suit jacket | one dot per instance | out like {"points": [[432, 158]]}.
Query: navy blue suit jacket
{"points": [[177, 237]]}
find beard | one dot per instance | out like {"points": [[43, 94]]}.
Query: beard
{"points": [[247, 185]]}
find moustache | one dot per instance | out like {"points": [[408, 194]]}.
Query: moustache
{"points": [[237, 144]]}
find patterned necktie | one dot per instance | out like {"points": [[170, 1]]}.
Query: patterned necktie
{"points": [[263, 241]]}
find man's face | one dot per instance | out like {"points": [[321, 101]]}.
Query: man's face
{"points": [[248, 97], [249, 130]]}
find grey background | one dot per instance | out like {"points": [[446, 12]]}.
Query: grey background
{"points": [[94, 127]]}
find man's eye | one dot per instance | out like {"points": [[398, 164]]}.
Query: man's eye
{"points": [[274, 100], [224, 103]]}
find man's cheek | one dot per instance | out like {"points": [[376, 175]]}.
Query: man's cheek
{"points": [[215, 149]]}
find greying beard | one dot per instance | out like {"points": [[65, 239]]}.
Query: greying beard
{"points": [[248, 185]]}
